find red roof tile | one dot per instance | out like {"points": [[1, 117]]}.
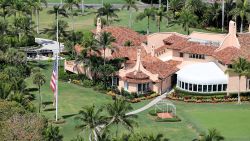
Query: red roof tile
{"points": [[123, 34], [173, 39], [227, 55], [197, 48], [137, 75]]}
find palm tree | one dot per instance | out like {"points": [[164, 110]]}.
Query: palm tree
{"points": [[187, 19], [229, 6], [61, 28], [176, 5], [73, 39], [196, 6], [243, 10], [53, 134], [105, 41], [151, 137], [108, 11], [212, 14], [57, 10], [37, 6], [147, 13], [89, 44], [91, 119], [241, 67], [4, 4], [117, 114], [130, 4], [39, 80], [160, 14], [69, 4], [213, 135]]}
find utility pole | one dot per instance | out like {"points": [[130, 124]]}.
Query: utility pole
{"points": [[82, 6], [223, 15]]}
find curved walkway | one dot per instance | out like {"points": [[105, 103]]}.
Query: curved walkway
{"points": [[150, 104]]}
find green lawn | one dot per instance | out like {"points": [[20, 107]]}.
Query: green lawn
{"points": [[230, 119], [86, 22], [95, 1]]}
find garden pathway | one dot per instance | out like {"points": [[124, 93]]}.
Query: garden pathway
{"points": [[150, 104]]}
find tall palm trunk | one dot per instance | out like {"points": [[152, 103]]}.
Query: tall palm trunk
{"points": [[107, 17], [73, 23], [83, 6], [104, 55], [117, 128], [159, 24], [37, 21], [148, 26], [241, 25], [239, 102], [223, 15], [40, 98], [130, 17], [4, 16]]}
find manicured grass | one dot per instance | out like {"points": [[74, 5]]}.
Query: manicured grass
{"points": [[93, 1], [231, 120], [86, 22]]}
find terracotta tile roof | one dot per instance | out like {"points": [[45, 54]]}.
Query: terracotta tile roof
{"points": [[78, 48], [196, 48], [129, 52], [227, 55], [173, 42], [137, 75], [173, 39], [136, 80], [244, 40], [123, 34], [150, 63], [164, 69]]}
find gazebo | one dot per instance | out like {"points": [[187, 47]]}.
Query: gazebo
{"points": [[165, 109]]}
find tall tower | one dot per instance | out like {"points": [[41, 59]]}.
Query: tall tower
{"points": [[98, 28]]}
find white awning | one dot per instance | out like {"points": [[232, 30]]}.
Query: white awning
{"points": [[202, 73]]}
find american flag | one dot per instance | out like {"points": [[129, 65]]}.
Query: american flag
{"points": [[54, 78]]}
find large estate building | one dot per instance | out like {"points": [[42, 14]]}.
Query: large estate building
{"points": [[160, 61]]}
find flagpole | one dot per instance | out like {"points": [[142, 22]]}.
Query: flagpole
{"points": [[57, 86], [57, 68]]}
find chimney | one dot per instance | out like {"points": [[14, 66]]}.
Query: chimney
{"points": [[138, 60], [153, 51], [98, 27], [232, 28]]}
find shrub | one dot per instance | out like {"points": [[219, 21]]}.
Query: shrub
{"points": [[124, 93], [115, 90], [99, 87], [186, 93], [154, 112], [174, 119], [87, 83], [77, 82], [111, 93]]}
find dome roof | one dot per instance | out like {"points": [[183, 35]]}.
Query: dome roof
{"points": [[137, 75], [202, 73]]}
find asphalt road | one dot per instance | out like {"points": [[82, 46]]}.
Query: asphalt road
{"points": [[96, 6]]}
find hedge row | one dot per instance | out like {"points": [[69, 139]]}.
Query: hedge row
{"points": [[174, 119]]}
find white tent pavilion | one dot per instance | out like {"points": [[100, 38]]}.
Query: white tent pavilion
{"points": [[202, 78]]}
